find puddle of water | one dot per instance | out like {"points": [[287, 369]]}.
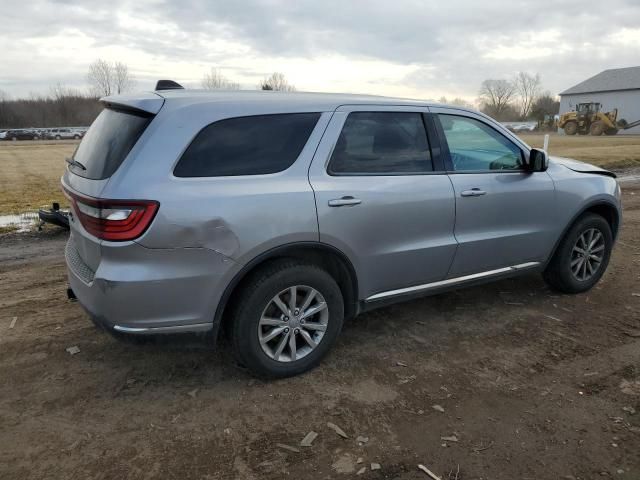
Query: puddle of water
{"points": [[23, 222]]}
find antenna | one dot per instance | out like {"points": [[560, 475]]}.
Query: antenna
{"points": [[168, 85]]}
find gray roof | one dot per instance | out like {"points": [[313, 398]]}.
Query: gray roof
{"points": [[259, 99], [608, 80], [328, 101]]}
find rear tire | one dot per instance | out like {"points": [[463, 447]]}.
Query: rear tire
{"points": [[611, 131], [570, 128], [257, 315], [569, 271]]}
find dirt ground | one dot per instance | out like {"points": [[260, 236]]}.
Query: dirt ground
{"points": [[532, 385]]}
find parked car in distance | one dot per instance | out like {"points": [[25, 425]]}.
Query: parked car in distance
{"points": [[21, 134], [64, 134], [276, 216]]}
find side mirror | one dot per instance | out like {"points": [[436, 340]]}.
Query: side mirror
{"points": [[538, 160]]}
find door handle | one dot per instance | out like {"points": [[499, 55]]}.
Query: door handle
{"points": [[344, 201], [474, 192]]}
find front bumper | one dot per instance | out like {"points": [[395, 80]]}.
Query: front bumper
{"points": [[139, 290]]}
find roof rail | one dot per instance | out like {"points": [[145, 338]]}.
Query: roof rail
{"points": [[168, 85]]}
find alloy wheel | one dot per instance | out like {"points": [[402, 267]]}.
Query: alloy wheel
{"points": [[293, 323], [587, 254]]}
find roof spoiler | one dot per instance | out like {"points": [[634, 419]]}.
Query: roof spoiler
{"points": [[168, 85], [147, 102]]}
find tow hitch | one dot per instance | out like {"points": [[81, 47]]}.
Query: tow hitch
{"points": [[54, 216]]}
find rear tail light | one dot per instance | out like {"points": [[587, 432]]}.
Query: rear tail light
{"points": [[113, 220]]}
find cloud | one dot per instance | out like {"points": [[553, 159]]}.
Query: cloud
{"points": [[408, 47]]}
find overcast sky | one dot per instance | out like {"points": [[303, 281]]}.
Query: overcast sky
{"points": [[411, 48]]}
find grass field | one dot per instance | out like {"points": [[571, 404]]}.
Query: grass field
{"points": [[615, 152], [30, 171], [30, 174]]}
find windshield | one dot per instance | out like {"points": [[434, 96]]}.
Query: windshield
{"points": [[107, 143]]}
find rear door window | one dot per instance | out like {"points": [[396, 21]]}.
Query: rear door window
{"points": [[382, 143], [108, 141], [253, 145]]}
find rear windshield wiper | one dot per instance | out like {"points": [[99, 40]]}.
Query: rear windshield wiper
{"points": [[75, 163]]}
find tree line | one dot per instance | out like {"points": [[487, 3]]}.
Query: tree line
{"points": [[63, 106], [519, 98]]}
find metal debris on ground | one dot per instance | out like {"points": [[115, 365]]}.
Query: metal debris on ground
{"points": [[401, 364], [438, 408], [362, 440], [451, 438], [375, 466], [13, 322], [482, 448], [337, 429], [360, 460], [404, 380], [193, 393], [73, 350], [429, 472], [287, 447], [308, 439], [361, 471]]}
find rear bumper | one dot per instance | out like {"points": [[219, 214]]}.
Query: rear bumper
{"points": [[138, 290]]}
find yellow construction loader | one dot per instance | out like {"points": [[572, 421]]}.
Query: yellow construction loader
{"points": [[588, 119]]}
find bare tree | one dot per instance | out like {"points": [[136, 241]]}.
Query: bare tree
{"points": [[109, 78], [545, 104], [277, 81], [496, 96], [528, 88], [63, 106], [100, 77], [215, 80], [123, 81]]}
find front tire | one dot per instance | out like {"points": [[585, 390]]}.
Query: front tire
{"points": [[596, 129], [570, 128], [286, 318], [582, 256]]}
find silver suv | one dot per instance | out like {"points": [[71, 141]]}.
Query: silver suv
{"points": [[275, 216]]}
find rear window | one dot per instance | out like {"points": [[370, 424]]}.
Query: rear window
{"points": [[107, 143], [252, 145]]}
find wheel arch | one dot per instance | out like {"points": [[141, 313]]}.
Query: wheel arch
{"points": [[324, 255], [604, 208]]}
